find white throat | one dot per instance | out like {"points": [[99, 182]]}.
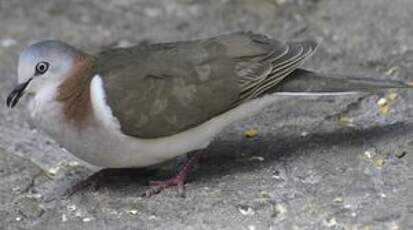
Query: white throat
{"points": [[43, 100]]}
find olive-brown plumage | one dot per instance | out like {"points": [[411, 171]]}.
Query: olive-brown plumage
{"points": [[168, 88]]}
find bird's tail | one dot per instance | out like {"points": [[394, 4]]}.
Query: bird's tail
{"points": [[303, 82]]}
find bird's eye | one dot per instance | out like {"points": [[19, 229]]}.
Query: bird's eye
{"points": [[42, 67]]}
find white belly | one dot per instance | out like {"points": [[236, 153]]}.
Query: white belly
{"points": [[103, 144]]}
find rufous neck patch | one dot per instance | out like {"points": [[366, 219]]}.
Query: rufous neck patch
{"points": [[74, 91]]}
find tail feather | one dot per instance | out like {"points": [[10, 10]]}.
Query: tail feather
{"points": [[306, 82]]}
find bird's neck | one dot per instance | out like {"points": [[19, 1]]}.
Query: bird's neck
{"points": [[74, 92]]}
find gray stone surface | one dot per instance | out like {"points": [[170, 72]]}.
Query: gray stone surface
{"points": [[317, 163]]}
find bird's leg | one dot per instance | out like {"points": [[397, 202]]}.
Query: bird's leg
{"points": [[178, 180]]}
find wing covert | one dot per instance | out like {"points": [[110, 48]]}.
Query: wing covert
{"points": [[163, 89]]}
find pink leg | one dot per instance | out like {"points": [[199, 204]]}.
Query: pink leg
{"points": [[178, 180]]}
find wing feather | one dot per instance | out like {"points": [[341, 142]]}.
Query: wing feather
{"points": [[163, 89], [281, 67]]}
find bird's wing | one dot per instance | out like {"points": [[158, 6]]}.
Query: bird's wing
{"points": [[163, 89]]}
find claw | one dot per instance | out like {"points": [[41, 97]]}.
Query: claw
{"points": [[178, 180]]}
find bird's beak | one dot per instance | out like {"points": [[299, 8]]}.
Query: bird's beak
{"points": [[17, 93]]}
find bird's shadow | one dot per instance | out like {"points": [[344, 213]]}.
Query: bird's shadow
{"points": [[223, 157]]}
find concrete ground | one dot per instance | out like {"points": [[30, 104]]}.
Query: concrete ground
{"points": [[316, 163]]}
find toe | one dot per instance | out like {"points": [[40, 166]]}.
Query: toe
{"points": [[181, 189]]}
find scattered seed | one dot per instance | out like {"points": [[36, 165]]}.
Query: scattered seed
{"points": [[252, 133], [265, 195], [276, 175], [257, 158], [246, 210], [54, 170], [133, 212], [281, 209], [251, 227], [379, 162], [392, 96], [71, 208], [370, 153], [123, 44], [73, 163], [338, 199], [304, 134], [392, 71], [382, 102], [34, 196], [384, 109], [78, 213], [344, 119], [87, 219], [64, 218]]}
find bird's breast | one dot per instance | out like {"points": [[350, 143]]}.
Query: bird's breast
{"points": [[87, 142]]}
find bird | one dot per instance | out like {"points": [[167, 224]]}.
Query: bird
{"points": [[142, 105]]}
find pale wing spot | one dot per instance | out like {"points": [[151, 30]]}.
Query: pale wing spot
{"points": [[101, 109]]}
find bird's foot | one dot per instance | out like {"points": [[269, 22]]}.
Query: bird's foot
{"points": [[157, 186], [178, 180]]}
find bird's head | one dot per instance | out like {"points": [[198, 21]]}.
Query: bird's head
{"points": [[42, 65]]}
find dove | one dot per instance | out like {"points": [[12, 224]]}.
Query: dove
{"points": [[142, 105]]}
